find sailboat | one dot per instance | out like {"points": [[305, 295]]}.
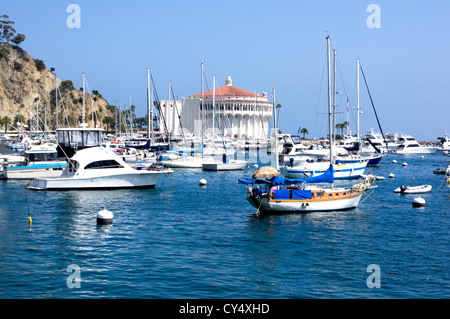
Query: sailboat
{"points": [[183, 159], [71, 140], [373, 158], [345, 166], [226, 164], [275, 194]]}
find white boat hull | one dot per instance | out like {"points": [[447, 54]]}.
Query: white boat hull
{"points": [[304, 206], [30, 173], [419, 150], [414, 189], [141, 179], [233, 165], [343, 171], [187, 163]]}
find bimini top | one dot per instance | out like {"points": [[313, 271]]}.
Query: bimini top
{"points": [[326, 177]]}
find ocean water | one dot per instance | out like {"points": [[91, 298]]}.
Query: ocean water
{"points": [[182, 240]]}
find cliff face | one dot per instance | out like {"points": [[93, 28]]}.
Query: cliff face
{"points": [[25, 82]]}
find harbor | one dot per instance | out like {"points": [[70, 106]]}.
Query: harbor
{"points": [[213, 167], [186, 240]]}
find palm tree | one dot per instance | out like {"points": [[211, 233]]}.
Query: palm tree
{"points": [[5, 120], [344, 126], [304, 131], [339, 128], [108, 120]]}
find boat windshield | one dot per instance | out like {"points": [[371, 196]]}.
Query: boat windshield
{"points": [[296, 139], [103, 164], [42, 157]]}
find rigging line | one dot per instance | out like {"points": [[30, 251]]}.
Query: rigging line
{"points": [[371, 101], [319, 98], [218, 125], [93, 113], [178, 114], [158, 106], [307, 87], [368, 195]]}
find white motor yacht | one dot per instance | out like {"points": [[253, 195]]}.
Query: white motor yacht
{"points": [[99, 168], [39, 161], [409, 145], [444, 143]]}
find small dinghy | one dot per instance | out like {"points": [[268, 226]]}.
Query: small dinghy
{"points": [[439, 171], [413, 189]]}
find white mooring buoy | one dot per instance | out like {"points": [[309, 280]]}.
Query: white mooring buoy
{"points": [[391, 175], [203, 182], [418, 202], [105, 217], [394, 161], [405, 164]]}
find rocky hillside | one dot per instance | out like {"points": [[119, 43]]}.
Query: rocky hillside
{"points": [[25, 82]]}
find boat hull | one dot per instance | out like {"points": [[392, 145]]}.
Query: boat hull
{"points": [[414, 189], [187, 163], [347, 171], [418, 150], [304, 206], [230, 166], [29, 173], [144, 179]]}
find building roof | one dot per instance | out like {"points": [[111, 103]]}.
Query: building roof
{"points": [[227, 90]]}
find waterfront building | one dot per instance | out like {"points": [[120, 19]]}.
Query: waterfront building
{"points": [[228, 110]]}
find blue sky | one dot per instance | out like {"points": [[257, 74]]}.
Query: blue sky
{"points": [[259, 44]]}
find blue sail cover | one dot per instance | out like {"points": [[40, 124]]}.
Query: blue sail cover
{"points": [[292, 194], [326, 177]]}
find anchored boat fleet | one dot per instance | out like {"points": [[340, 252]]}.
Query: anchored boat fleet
{"points": [[301, 179]]}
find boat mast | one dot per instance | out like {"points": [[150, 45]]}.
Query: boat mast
{"points": [[334, 96], [214, 115], [357, 99], [148, 104], [329, 102], [276, 128], [201, 109], [56, 100], [151, 108], [84, 114]]}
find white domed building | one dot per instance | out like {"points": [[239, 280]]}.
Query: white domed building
{"points": [[228, 110]]}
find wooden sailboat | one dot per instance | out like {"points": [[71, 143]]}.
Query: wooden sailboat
{"points": [[281, 195]]}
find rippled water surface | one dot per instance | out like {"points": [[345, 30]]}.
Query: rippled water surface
{"points": [[182, 240]]}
